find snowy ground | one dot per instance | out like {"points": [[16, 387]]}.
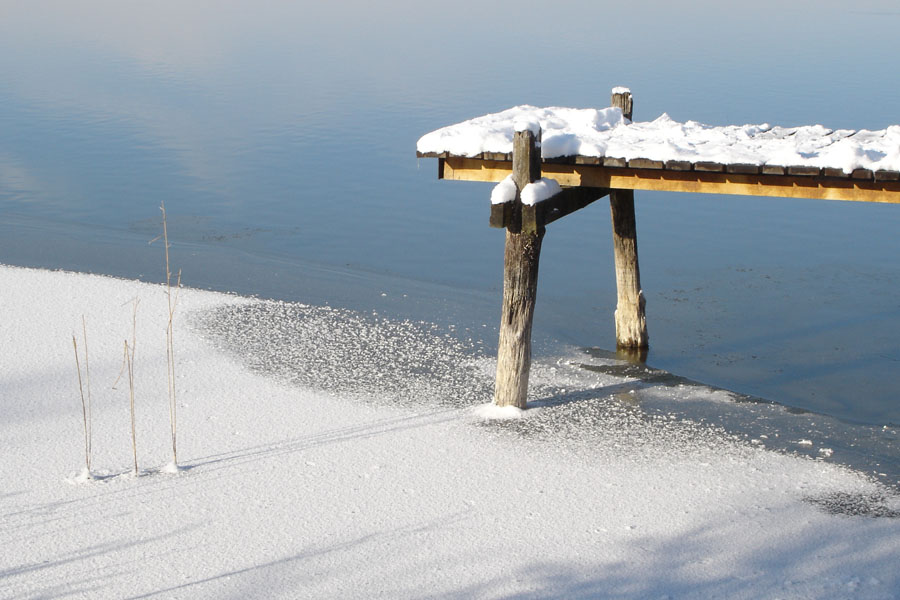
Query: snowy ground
{"points": [[393, 484]]}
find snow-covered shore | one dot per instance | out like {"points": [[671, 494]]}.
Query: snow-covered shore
{"points": [[289, 492]]}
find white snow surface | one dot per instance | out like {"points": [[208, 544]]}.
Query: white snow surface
{"points": [[288, 492], [505, 191], [564, 131], [540, 190], [528, 124], [606, 133]]}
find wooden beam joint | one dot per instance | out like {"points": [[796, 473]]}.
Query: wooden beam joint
{"points": [[543, 213]]}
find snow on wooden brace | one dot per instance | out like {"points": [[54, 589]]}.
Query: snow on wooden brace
{"points": [[541, 214], [531, 207]]}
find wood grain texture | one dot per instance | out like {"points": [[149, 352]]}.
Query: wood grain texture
{"points": [[742, 169], [710, 167], [630, 317], [644, 163], [804, 171], [772, 170], [625, 101], [567, 202], [678, 165], [521, 258], [520, 272], [500, 215], [864, 188]]}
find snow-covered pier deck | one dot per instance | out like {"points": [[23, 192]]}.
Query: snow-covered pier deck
{"points": [[603, 149], [551, 162]]}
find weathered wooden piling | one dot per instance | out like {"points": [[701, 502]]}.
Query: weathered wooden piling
{"points": [[631, 321], [520, 273]]}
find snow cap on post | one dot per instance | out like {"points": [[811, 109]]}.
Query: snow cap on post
{"points": [[532, 125], [505, 191], [539, 190]]}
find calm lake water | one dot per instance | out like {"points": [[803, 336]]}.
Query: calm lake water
{"points": [[281, 136]]}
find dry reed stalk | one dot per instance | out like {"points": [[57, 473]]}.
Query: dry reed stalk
{"points": [[170, 340], [87, 372], [84, 414], [129, 361]]}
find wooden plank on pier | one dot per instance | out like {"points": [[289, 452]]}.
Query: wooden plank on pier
{"points": [[861, 186]]}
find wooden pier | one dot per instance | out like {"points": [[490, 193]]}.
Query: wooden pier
{"points": [[585, 179]]}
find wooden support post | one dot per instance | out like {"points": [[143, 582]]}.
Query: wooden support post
{"points": [[520, 273], [631, 322]]}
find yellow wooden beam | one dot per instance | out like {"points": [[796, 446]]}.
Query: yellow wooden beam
{"points": [[698, 182]]}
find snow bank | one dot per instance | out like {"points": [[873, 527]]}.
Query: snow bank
{"points": [[606, 133], [287, 491]]}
